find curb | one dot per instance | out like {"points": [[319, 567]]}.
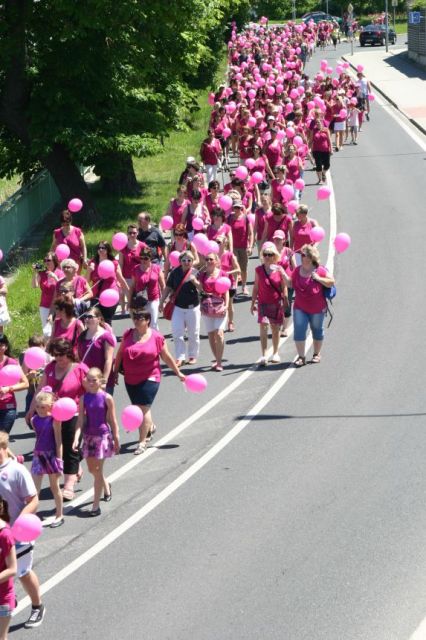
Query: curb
{"points": [[394, 104]]}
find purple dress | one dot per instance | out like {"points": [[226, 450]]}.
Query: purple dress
{"points": [[97, 437], [44, 456]]}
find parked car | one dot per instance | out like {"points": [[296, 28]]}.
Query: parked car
{"points": [[319, 16], [376, 34]]}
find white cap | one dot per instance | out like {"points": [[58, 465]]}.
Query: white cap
{"points": [[190, 159]]}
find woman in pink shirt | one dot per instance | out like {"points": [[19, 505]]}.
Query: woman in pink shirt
{"points": [[212, 198], [302, 231], [72, 287], [46, 279], [73, 237], [115, 282], [277, 220], [269, 297], [260, 218], [309, 303], [242, 237], [65, 378], [211, 154], [66, 325], [129, 259], [219, 227], [139, 353], [214, 307], [148, 281], [229, 265], [178, 206], [7, 394]]}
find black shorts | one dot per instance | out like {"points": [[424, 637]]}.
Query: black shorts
{"points": [[143, 393], [322, 160]]}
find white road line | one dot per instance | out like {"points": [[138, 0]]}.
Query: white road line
{"points": [[73, 566], [420, 632]]}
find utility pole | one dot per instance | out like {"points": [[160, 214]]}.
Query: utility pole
{"points": [[326, 6], [387, 25], [350, 29], [293, 10]]}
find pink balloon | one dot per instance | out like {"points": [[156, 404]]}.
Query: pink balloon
{"points": [[341, 242], [300, 91], [317, 234], [131, 417], [106, 269], [119, 241], [250, 163], [64, 409], [225, 202], [109, 297], [166, 223], [75, 205], [174, 258], [196, 383], [371, 97], [290, 133], [241, 172], [343, 113], [256, 177], [299, 184], [321, 271], [35, 358], [26, 527], [197, 224], [287, 192], [251, 218], [270, 91], [10, 374], [222, 284], [251, 121], [202, 243], [279, 89], [62, 251], [226, 132], [323, 193], [360, 68], [294, 94], [289, 107], [292, 206], [251, 94], [324, 65], [213, 246], [297, 141], [329, 70]]}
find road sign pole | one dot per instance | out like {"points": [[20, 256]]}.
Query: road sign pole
{"points": [[394, 18], [387, 25]]}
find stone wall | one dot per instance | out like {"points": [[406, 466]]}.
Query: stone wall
{"points": [[417, 40]]}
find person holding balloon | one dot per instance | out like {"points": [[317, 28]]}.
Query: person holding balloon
{"points": [[229, 265], [8, 570], [179, 243], [214, 291], [288, 263], [310, 306], [18, 490], [96, 344], [178, 206], [197, 216], [211, 199], [219, 227], [45, 277], [97, 423], [148, 281], [65, 377], [72, 287], [277, 220], [73, 237], [139, 354], [302, 229], [12, 379], [104, 273], [242, 237], [47, 454], [182, 286], [128, 260]]}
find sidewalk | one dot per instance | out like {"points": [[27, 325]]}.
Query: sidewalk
{"points": [[397, 78]]}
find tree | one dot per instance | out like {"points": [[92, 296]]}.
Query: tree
{"points": [[98, 82]]}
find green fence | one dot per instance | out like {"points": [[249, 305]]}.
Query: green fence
{"points": [[26, 208]]}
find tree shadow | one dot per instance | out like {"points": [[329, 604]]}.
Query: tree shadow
{"points": [[285, 416], [402, 63]]}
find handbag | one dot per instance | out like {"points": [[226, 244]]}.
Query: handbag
{"points": [[171, 302], [212, 306]]}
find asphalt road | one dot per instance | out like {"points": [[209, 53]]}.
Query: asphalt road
{"points": [[310, 522]]}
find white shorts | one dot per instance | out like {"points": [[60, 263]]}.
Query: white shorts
{"points": [[215, 324], [339, 126]]}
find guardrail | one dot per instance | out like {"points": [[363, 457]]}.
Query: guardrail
{"points": [[26, 208]]}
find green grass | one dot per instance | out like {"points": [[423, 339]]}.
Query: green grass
{"points": [[8, 187], [158, 176]]}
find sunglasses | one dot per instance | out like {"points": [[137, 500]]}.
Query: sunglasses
{"points": [[145, 258], [139, 316], [102, 248], [89, 316], [268, 255], [186, 260], [305, 255], [58, 355], [48, 260], [68, 267], [210, 259]]}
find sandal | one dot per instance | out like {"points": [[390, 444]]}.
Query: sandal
{"points": [[316, 358], [67, 495], [141, 448], [151, 433], [300, 362]]}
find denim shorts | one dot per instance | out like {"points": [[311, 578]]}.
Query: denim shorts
{"points": [[301, 321], [5, 611], [7, 419]]}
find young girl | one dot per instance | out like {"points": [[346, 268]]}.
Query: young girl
{"points": [[98, 422], [47, 455], [8, 569]]}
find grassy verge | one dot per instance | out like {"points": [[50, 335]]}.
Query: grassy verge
{"points": [[8, 187], [157, 175]]}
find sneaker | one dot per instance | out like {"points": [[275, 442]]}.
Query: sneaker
{"points": [[36, 617], [262, 362], [275, 358]]}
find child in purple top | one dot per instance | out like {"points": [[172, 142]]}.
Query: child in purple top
{"points": [[98, 423], [47, 455]]}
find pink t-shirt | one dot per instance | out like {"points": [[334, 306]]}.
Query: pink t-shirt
{"points": [[273, 151], [268, 293], [130, 258], [7, 590], [141, 360], [101, 284], [70, 333], [148, 280], [285, 261], [293, 168], [69, 387], [8, 401], [213, 233], [276, 186], [48, 287], [210, 152], [72, 240], [282, 224], [239, 227], [309, 294], [320, 141], [302, 234], [227, 264], [260, 218], [209, 282], [210, 203], [178, 210]]}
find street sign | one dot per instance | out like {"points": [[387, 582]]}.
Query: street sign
{"points": [[414, 17], [350, 8]]}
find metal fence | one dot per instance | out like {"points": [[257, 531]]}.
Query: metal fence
{"points": [[26, 208]]}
